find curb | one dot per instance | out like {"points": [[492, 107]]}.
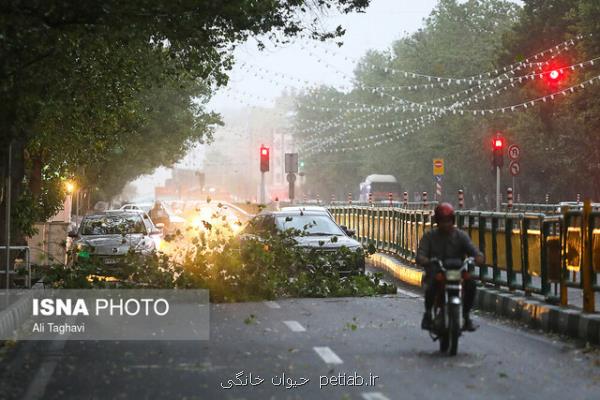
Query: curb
{"points": [[12, 317], [536, 314]]}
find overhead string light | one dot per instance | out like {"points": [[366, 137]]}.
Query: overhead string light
{"points": [[336, 142], [320, 139], [526, 63], [397, 136], [425, 107], [361, 107], [363, 120], [420, 106], [515, 107]]}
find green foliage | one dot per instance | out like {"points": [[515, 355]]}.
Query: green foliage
{"points": [[559, 139], [457, 40], [232, 269], [106, 91], [565, 130]]}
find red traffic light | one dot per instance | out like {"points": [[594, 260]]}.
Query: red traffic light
{"points": [[498, 150], [554, 74], [498, 143], [264, 159]]}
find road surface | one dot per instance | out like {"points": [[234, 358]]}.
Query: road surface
{"points": [[314, 339]]}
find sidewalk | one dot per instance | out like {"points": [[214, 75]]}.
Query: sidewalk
{"points": [[569, 321]]}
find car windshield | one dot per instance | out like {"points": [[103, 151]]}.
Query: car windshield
{"points": [[312, 225], [112, 224], [385, 187], [145, 207]]}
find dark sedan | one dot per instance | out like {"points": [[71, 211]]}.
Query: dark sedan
{"points": [[313, 231]]}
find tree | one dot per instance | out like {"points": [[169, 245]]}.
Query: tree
{"points": [[75, 75], [394, 109]]}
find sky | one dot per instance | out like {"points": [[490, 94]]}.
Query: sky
{"points": [[260, 76]]}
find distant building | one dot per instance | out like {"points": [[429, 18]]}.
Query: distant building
{"points": [[184, 184], [232, 160]]}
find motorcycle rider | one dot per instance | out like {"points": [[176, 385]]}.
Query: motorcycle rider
{"points": [[446, 242], [158, 214]]}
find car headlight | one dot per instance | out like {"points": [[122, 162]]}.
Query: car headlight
{"points": [[356, 248]]}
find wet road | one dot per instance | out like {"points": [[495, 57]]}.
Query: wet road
{"points": [[326, 344]]}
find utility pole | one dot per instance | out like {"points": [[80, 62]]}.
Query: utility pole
{"points": [[262, 188], [497, 188], [8, 197], [264, 167], [498, 162]]}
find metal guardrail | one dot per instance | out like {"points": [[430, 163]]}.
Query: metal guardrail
{"points": [[544, 208], [532, 252], [27, 261], [410, 205]]}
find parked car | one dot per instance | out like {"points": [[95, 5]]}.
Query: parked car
{"points": [[172, 221], [316, 231], [108, 237]]}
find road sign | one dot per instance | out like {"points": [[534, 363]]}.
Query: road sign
{"points": [[291, 163], [514, 168], [291, 178], [514, 152], [438, 166]]}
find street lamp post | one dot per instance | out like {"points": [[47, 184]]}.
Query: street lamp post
{"points": [[71, 189]]}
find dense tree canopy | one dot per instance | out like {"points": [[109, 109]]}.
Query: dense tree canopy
{"points": [[106, 91], [394, 121]]}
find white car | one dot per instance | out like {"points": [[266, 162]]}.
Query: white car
{"points": [[319, 210], [175, 221], [312, 209]]}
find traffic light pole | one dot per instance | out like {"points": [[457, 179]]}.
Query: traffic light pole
{"points": [[497, 189], [262, 188]]}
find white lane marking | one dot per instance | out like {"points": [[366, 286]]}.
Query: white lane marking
{"points": [[407, 293], [272, 304], [328, 355], [374, 396], [37, 387], [294, 326]]}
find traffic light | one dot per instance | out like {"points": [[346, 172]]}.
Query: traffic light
{"points": [[264, 159], [554, 75], [498, 151], [301, 165]]}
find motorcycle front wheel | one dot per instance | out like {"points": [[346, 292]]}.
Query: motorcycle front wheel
{"points": [[453, 328], [441, 330]]}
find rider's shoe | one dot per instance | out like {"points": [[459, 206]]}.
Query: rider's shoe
{"points": [[469, 325], [426, 322]]}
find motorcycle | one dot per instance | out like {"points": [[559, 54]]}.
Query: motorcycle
{"points": [[447, 309]]}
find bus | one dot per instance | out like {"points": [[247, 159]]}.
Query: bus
{"points": [[379, 186]]}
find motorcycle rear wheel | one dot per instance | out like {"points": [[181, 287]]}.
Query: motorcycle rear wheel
{"points": [[444, 343]]}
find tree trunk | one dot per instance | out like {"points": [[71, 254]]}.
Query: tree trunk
{"points": [[17, 174], [35, 175]]}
